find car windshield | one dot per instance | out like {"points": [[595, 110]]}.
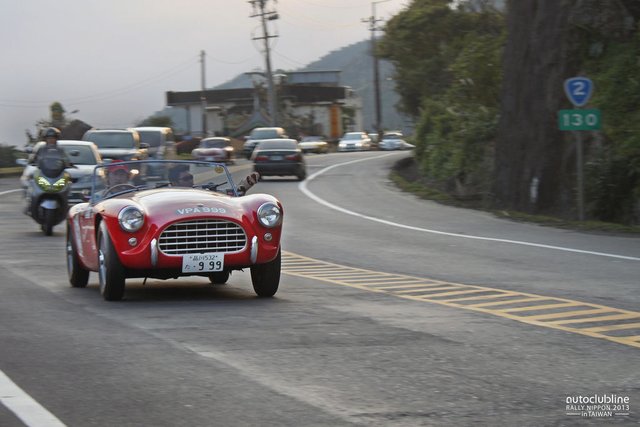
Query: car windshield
{"points": [[285, 144], [112, 139], [153, 138], [80, 154], [356, 135], [264, 134], [213, 143], [392, 136], [116, 178]]}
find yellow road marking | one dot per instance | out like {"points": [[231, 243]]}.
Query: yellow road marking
{"points": [[614, 327], [409, 285], [479, 297], [511, 301], [540, 307], [403, 286], [569, 314], [446, 294], [597, 319], [440, 288]]}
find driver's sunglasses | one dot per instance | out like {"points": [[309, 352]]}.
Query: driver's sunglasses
{"points": [[185, 178]]}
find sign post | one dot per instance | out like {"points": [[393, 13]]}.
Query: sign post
{"points": [[579, 91]]}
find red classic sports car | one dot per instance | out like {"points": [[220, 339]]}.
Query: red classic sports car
{"points": [[189, 219]]}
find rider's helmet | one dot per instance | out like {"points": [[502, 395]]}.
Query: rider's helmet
{"points": [[52, 133]]}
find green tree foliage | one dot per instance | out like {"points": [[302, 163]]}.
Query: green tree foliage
{"points": [[613, 172], [8, 156], [449, 72], [159, 121], [56, 119]]}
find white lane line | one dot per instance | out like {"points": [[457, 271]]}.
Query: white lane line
{"points": [[2, 193], [24, 406], [303, 187]]}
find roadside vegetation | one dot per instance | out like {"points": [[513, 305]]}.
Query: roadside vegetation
{"points": [[485, 112], [407, 178]]}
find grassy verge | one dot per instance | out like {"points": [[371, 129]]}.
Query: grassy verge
{"points": [[424, 192]]}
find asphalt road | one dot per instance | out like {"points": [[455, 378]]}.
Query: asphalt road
{"points": [[353, 337]]}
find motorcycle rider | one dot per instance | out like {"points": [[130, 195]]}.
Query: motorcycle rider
{"points": [[51, 136]]}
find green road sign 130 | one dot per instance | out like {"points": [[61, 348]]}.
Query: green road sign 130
{"points": [[579, 119]]}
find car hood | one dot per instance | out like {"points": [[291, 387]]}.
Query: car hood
{"points": [[116, 153], [81, 170], [187, 203]]}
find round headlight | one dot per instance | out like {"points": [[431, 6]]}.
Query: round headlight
{"points": [[269, 215], [131, 219]]}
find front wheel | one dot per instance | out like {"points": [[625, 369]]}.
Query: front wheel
{"points": [[48, 221], [78, 275], [219, 277], [266, 277], [110, 270]]}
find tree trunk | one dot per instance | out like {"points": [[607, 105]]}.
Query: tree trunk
{"points": [[530, 148]]}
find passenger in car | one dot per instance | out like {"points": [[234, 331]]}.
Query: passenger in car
{"points": [[117, 174], [251, 180], [179, 176]]}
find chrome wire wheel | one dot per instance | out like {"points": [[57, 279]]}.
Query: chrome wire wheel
{"points": [[102, 269]]}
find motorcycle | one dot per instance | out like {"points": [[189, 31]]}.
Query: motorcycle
{"points": [[48, 191]]}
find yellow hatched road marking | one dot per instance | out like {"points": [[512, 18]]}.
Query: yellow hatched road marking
{"points": [[408, 285], [479, 297], [385, 279], [511, 301], [614, 327], [540, 307], [441, 288], [597, 319], [446, 294], [403, 286], [575, 313]]}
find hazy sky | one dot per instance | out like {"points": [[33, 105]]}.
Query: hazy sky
{"points": [[113, 60]]}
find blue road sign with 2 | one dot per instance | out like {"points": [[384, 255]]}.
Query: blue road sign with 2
{"points": [[578, 90]]}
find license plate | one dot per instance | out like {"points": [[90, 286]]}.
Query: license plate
{"points": [[277, 157], [201, 263]]}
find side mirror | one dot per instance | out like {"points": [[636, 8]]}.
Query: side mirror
{"points": [[144, 145]]}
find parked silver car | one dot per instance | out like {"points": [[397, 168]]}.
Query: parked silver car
{"points": [[355, 141]]}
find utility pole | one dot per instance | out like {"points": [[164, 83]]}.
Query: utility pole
{"points": [[376, 70], [203, 98], [264, 17]]}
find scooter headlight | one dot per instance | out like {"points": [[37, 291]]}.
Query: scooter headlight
{"points": [[131, 219], [43, 183], [269, 215], [60, 184]]}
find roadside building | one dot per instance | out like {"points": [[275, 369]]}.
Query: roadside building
{"points": [[311, 103]]}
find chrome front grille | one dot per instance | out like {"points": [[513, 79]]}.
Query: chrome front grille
{"points": [[203, 235]]}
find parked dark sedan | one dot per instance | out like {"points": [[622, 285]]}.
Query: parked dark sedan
{"points": [[279, 157]]}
